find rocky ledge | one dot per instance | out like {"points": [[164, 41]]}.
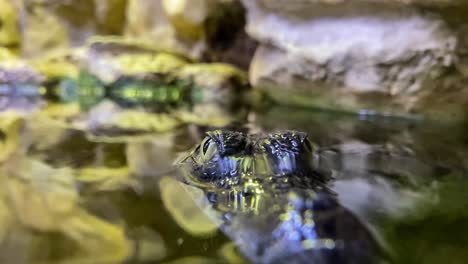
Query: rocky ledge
{"points": [[389, 56]]}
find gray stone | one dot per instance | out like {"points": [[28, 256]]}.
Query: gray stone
{"points": [[353, 55]]}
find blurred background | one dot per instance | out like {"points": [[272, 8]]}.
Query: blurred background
{"points": [[100, 99], [393, 56]]}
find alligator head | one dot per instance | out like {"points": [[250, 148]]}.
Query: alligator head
{"points": [[228, 159], [271, 200]]}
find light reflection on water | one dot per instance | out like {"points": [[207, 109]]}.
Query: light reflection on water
{"points": [[404, 180]]}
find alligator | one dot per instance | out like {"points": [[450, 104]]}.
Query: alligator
{"points": [[270, 200]]}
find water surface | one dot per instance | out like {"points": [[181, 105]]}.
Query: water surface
{"points": [[404, 179]]}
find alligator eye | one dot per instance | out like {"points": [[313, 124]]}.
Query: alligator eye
{"points": [[205, 145], [208, 149]]}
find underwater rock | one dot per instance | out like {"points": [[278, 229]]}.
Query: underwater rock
{"points": [[388, 56], [25, 186], [46, 200], [148, 244], [184, 210]]}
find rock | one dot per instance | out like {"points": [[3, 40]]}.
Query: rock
{"points": [[147, 20], [241, 51], [214, 89], [305, 7], [199, 29], [60, 64], [34, 206], [108, 58], [9, 30], [45, 200], [350, 56], [50, 25], [110, 16], [188, 17], [43, 31]]}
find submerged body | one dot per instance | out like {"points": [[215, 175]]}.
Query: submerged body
{"points": [[269, 199]]}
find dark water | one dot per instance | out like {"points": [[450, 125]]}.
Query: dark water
{"points": [[405, 180]]}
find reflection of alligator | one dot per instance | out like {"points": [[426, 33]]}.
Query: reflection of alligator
{"points": [[154, 92], [148, 88], [132, 75], [128, 89], [273, 203]]}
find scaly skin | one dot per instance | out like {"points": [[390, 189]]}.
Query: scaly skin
{"points": [[272, 202]]}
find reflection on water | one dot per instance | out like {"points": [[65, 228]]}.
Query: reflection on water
{"points": [[66, 196]]}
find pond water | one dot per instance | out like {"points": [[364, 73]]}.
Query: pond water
{"points": [[404, 179]]}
